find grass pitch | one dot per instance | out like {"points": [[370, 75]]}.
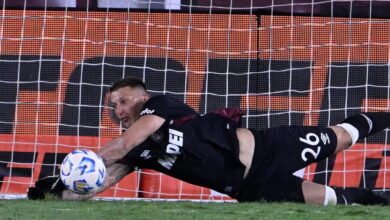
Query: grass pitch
{"points": [[52, 209]]}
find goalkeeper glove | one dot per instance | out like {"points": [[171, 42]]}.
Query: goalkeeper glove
{"points": [[51, 185]]}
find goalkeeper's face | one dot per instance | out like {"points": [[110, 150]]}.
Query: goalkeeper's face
{"points": [[127, 103]]}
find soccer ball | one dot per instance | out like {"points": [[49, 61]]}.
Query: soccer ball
{"points": [[83, 171]]}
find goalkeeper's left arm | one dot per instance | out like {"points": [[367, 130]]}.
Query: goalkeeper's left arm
{"points": [[53, 186]]}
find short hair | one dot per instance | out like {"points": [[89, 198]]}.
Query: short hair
{"points": [[129, 81]]}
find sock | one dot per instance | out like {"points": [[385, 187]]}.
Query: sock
{"points": [[330, 196], [365, 124], [348, 196]]}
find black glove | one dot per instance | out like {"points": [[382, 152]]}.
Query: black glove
{"points": [[51, 185]]}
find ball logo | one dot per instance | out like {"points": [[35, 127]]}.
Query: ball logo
{"points": [[81, 185]]}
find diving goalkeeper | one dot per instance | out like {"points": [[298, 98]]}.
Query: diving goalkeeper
{"points": [[213, 151]]}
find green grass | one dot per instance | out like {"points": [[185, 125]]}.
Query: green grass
{"points": [[52, 209]]}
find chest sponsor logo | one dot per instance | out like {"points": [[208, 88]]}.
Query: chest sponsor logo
{"points": [[173, 149]]}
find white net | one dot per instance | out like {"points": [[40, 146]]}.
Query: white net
{"points": [[282, 67]]}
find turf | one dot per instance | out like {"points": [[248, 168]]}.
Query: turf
{"points": [[52, 209]]}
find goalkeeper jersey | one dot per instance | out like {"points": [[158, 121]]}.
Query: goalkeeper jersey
{"points": [[199, 149]]}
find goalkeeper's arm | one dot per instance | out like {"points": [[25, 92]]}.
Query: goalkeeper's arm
{"points": [[53, 185], [115, 172]]}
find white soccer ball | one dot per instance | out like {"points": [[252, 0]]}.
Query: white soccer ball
{"points": [[83, 171]]}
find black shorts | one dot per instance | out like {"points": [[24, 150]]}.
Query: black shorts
{"points": [[279, 152]]}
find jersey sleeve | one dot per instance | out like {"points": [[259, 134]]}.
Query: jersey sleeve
{"points": [[165, 107]]}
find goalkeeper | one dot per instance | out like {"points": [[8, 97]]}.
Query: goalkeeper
{"points": [[212, 150]]}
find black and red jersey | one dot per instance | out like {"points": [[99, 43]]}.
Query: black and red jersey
{"points": [[199, 149], [204, 150]]}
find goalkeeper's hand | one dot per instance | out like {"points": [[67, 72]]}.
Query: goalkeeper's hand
{"points": [[50, 185]]}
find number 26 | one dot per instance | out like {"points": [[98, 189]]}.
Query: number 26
{"points": [[311, 142]]}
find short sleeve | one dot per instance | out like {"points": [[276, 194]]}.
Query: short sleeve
{"points": [[166, 107]]}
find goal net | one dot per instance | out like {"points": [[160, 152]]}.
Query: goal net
{"points": [[281, 67]]}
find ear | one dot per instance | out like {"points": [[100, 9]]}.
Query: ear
{"points": [[145, 97]]}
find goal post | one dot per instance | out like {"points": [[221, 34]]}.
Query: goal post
{"points": [[56, 67]]}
